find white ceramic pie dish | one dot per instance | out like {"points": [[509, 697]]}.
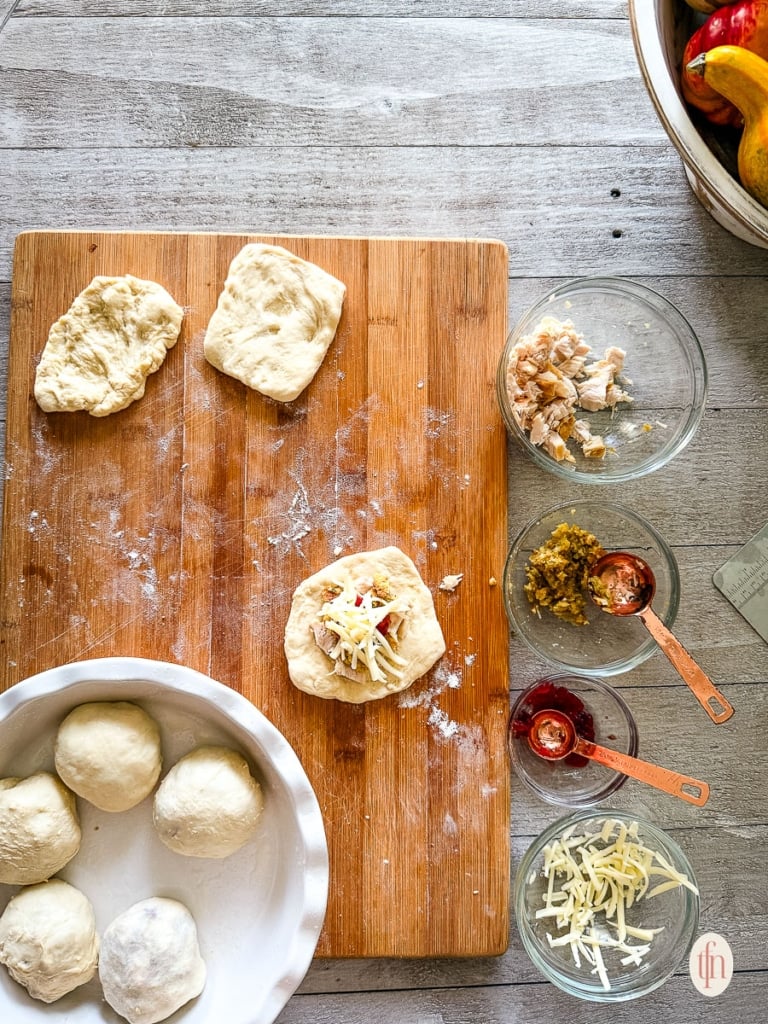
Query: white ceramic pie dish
{"points": [[258, 912]]}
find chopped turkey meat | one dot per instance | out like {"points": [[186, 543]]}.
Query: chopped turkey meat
{"points": [[549, 378], [327, 642], [581, 431], [599, 389], [594, 448]]}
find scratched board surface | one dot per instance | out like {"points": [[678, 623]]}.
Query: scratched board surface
{"points": [[178, 529]]}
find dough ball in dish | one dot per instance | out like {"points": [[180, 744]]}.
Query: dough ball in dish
{"points": [[362, 628], [150, 961], [100, 352], [274, 321], [48, 939], [39, 828], [109, 754], [209, 804]]}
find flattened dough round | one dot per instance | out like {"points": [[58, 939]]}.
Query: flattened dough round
{"points": [[421, 638], [48, 939], [209, 804], [108, 752], [39, 828], [150, 961], [274, 321], [100, 352]]}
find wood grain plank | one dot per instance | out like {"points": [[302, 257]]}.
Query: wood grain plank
{"points": [[500, 1003], [347, 8], [450, 192], [179, 528], [7, 8], [320, 82], [723, 456]]}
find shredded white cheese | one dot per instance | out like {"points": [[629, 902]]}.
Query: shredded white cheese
{"points": [[593, 879], [354, 619]]}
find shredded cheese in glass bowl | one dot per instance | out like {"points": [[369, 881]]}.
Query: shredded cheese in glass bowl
{"points": [[606, 905]]}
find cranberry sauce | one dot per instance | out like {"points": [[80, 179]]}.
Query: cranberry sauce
{"points": [[547, 696]]}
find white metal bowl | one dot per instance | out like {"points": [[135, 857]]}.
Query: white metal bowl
{"points": [[660, 29], [258, 912]]}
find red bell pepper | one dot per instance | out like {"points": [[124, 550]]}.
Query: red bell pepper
{"points": [[740, 24]]}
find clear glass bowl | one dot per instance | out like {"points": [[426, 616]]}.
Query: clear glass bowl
{"points": [[676, 912], [608, 644], [664, 363], [573, 781]]}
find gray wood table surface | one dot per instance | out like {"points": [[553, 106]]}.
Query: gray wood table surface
{"points": [[524, 121]]}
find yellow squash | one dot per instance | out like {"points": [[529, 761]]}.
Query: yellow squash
{"points": [[742, 77]]}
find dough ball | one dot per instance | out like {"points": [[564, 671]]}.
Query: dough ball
{"points": [[209, 804], [100, 352], [109, 754], [150, 962], [274, 321], [39, 828], [362, 628], [48, 939]]}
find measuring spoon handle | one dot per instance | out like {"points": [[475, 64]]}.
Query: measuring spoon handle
{"points": [[705, 691], [693, 790]]}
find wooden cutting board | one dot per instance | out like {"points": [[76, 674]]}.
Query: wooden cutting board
{"points": [[178, 529]]}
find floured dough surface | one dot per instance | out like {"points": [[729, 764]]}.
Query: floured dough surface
{"points": [[150, 961], [420, 639], [100, 352], [209, 804], [39, 828], [108, 752], [48, 939], [274, 321]]}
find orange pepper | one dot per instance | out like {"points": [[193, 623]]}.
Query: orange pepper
{"points": [[742, 24]]}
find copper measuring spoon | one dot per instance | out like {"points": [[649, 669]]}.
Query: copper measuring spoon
{"points": [[623, 584], [552, 735]]}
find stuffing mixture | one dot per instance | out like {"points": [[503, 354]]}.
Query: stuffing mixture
{"points": [[557, 573], [549, 379]]}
